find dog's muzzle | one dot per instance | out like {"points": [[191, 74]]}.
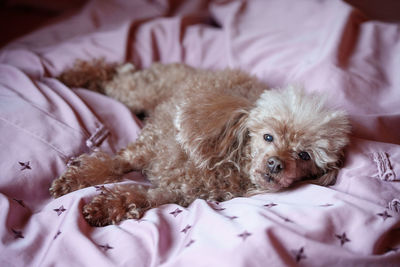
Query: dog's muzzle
{"points": [[275, 165]]}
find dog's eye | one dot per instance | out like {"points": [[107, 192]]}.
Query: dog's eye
{"points": [[269, 138], [304, 155]]}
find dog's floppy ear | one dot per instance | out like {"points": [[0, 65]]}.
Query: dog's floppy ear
{"points": [[328, 178], [211, 128], [334, 137]]}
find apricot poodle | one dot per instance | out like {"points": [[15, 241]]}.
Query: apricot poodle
{"points": [[213, 135]]}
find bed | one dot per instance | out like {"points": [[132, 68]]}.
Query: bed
{"points": [[325, 46]]}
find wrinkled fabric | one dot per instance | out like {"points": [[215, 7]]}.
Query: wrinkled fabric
{"points": [[325, 46]]}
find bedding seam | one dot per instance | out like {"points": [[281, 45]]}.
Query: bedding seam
{"points": [[35, 136]]}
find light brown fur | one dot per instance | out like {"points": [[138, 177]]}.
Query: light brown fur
{"points": [[204, 138]]}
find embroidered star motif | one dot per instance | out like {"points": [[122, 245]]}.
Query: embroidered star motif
{"points": [[100, 188], [270, 205], [326, 205], [60, 210], [56, 235], [21, 202], [287, 220], [343, 238], [384, 215], [105, 247], [244, 235], [299, 254], [176, 212], [25, 165], [190, 243], [17, 233], [186, 229]]}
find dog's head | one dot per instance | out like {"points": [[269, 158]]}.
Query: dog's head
{"points": [[293, 136], [286, 136]]}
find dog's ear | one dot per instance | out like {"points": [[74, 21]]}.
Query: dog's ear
{"points": [[212, 129], [329, 175], [333, 138], [328, 178]]}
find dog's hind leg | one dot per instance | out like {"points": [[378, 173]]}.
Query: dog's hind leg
{"points": [[143, 90], [140, 90], [89, 74]]}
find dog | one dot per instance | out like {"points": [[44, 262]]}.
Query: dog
{"points": [[211, 135]]}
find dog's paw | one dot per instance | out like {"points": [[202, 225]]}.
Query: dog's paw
{"points": [[108, 209], [62, 185], [69, 181], [86, 170]]}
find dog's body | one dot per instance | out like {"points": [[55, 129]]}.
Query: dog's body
{"points": [[210, 135]]}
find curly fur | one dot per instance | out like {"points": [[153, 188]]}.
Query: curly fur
{"points": [[204, 138]]}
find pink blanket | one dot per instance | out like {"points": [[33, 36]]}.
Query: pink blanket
{"points": [[326, 46]]}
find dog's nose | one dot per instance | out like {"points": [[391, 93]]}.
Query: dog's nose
{"points": [[275, 165]]}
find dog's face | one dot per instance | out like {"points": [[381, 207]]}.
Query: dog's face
{"points": [[281, 155], [294, 137]]}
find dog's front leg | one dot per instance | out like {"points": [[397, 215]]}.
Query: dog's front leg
{"points": [[88, 170], [100, 168], [126, 202]]}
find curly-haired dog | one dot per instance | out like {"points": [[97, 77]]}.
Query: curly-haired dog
{"points": [[212, 135]]}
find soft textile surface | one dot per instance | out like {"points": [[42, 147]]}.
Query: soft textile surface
{"points": [[325, 46]]}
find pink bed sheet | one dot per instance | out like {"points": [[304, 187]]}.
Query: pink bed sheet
{"points": [[326, 46]]}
